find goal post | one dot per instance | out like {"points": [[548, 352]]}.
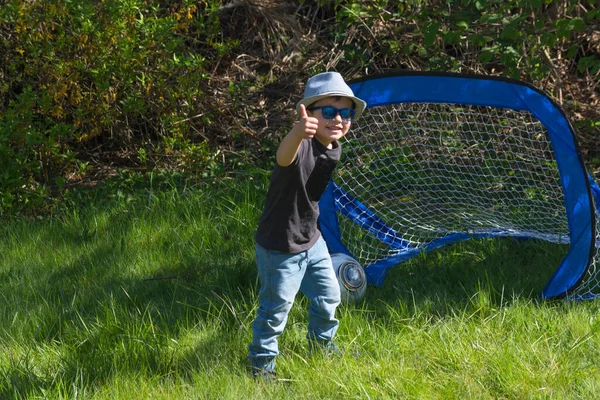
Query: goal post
{"points": [[439, 158]]}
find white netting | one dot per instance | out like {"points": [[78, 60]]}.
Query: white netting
{"points": [[590, 285], [431, 170]]}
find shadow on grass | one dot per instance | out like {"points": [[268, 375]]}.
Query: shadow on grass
{"points": [[94, 314], [470, 274]]}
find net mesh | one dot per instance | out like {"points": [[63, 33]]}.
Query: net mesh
{"points": [[590, 284], [432, 170]]}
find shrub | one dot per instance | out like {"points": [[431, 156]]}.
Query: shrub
{"points": [[205, 87]]}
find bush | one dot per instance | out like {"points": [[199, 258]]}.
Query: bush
{"points": [[78, 75], [206, 87]]}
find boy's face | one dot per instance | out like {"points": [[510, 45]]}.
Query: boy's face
{"points": [[330, 130]]}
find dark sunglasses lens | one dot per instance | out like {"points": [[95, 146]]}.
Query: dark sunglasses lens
{"points": [[328, 112], [347, 114]]}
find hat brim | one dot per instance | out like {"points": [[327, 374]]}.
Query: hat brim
{"points": [[360, 104]]}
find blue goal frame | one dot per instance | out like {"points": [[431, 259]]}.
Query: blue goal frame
{"points": [[475, 90]]}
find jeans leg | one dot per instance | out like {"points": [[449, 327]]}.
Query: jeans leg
{"points": [[320, 285], [280, 276]]}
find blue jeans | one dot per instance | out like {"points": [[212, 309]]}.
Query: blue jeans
{"points": [[281, 276]]}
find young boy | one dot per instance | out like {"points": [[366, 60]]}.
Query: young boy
{"points": [[291, 255]]}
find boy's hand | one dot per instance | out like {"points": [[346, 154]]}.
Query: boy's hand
{"points": [[306, 126]]}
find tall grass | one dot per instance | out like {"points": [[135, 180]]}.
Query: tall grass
{"points": [[148, 292]]}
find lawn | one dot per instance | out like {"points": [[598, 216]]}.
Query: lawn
{"points": [[147, 289]]}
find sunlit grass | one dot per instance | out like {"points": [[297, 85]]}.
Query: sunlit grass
{"points": [[151, 294]]}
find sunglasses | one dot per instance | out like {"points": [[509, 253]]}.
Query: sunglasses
{"points": [[329, 112]]}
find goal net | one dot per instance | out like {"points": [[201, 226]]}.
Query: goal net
{"points": [[437, 159]]}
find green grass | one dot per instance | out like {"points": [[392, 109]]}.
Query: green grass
{"points": [[148, 291]]}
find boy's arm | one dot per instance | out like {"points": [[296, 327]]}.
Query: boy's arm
{"points": [[305, 128]]}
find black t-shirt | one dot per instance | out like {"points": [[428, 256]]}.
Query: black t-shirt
{"points": [[289, 220]]}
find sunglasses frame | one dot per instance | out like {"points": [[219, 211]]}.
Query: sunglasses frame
{"points": [[335, 111]]}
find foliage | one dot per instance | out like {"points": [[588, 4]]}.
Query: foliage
{"points": [[204, 87], [521, 39], [78, 75]]}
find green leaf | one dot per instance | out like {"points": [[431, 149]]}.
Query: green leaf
{"points": [[431, 34], [462, 24], [452, 37], [486, 56], [477, 39], [509, 32], [572, 51], [535, 3], [578, 24], [548, 39], [539, 23]]}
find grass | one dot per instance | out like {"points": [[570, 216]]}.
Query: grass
{"points": [[148, 291]]}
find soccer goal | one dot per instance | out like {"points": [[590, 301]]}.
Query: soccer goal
{"points": [[440, 158]]}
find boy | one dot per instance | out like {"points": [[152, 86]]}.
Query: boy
{"points": [[291, 255]]}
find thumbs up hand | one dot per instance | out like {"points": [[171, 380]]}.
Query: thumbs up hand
{"points": [[305, 128], [306, 125]]}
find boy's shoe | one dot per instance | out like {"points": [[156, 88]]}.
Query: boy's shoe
{"points": [[332, 349], [264, 375], [263, 369], [327, 348]]}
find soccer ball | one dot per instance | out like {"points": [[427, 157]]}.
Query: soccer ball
{"points": [[351, 277]]}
